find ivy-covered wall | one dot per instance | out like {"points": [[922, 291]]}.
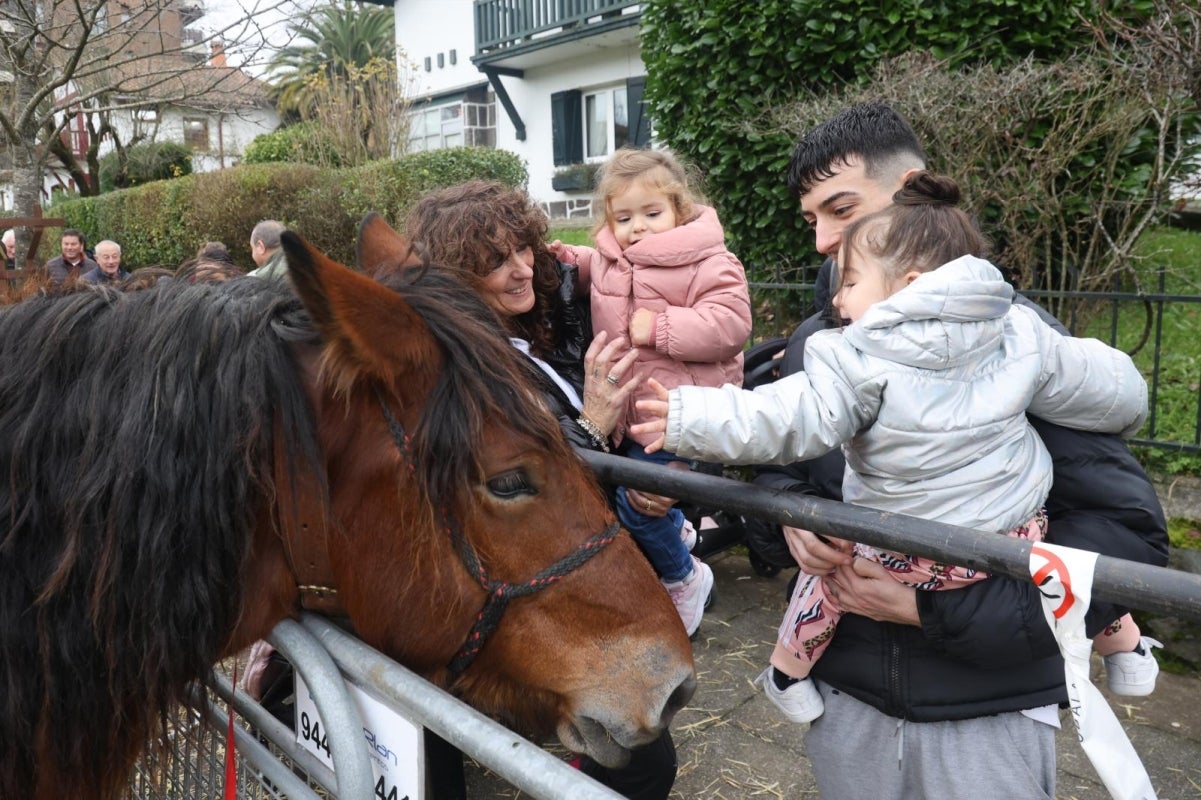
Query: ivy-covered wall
{"points": [[717, 68]]}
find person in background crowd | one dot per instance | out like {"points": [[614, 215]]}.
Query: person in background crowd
{"points": [[266, 251], [10, 249], [108, 265], [72, 260]]}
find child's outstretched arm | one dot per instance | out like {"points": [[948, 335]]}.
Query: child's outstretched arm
{"points": [[654, 412]]}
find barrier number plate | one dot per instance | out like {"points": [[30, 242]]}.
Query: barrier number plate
{"points": [[393, 742]]}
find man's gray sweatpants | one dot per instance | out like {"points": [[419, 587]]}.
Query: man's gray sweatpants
{"points": [[858, 752]]}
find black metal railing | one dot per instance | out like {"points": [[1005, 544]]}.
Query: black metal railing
{"points": [[505, 23], [780, 305]]}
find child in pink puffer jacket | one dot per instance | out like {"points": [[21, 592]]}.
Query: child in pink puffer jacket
{"points": [[663, 281]]}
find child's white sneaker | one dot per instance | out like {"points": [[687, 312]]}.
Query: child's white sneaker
{"points": [[1133, 674], [800, 703]]}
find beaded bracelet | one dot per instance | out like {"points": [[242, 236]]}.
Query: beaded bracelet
{"points": [[594, 432]]}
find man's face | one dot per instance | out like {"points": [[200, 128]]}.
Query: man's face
{"points": [[258, 252], [10, 247], [71, 247], [833, 204], [109, 259]]}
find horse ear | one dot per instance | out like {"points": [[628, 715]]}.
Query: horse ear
{"points": [[371, 328], [380, 247]]}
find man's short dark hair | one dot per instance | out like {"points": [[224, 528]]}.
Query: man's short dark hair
{"points": [[72, 232], [873, 132]]}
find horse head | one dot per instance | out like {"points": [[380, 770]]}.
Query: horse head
{"points": [[465, 537]]}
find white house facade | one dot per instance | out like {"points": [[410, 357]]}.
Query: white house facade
{"points": [[558, 82]]}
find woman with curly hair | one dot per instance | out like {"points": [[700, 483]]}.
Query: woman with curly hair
{"points": [[497, 236]]}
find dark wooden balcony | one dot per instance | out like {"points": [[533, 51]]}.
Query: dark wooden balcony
{"points": [[508, 28]]}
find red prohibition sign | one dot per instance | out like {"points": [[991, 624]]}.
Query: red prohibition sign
{"points": [[1055, 563]]}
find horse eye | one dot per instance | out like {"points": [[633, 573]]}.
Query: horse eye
{"points": [[510, 484]]}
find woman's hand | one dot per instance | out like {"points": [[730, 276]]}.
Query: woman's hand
{"points": [[654, 415], [607, 388], [652, 505]]}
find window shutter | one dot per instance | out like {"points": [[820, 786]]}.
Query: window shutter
{"points": [[567, 127], [640, 120]]}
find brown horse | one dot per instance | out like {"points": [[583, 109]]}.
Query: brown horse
{"points": [[188, 464]]}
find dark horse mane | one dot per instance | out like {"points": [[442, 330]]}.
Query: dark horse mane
{"points": [[136, 438]]}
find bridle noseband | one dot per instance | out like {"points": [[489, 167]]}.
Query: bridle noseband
{"points": [[499, 593]]}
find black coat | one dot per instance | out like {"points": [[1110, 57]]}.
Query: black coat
{"points": [[986, 648], [572, 321]]}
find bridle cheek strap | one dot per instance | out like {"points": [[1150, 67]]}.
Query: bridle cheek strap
{"points": [[499, 592], [304, 525]]}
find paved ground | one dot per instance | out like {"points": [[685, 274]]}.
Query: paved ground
{"points": [[732, 745]]}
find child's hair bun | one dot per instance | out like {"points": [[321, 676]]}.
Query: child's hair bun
{"points": [[925, 188]]}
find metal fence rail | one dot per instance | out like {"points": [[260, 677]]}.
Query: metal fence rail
{"points": [[272, 765], [1135, 585]]}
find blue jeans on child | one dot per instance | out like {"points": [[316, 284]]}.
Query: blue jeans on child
{"points": [[659, 537]]}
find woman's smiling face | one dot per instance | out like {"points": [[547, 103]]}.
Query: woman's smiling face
{"points": [[509, 287]]}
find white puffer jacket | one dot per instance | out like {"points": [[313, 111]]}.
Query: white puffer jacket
{"points": [[929, 392]]}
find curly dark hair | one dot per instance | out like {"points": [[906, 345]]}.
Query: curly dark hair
{"points": [[474, 227]]}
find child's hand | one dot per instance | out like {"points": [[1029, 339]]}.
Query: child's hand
{"points": [[654, 412], [557, 248], [642, 325]]}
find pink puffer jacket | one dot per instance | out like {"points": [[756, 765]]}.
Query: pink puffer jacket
{"points": [[698, 291]]}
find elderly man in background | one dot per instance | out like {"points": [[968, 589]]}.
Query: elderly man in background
{"points": [[108, 264], [266, 251], [10, 249]]}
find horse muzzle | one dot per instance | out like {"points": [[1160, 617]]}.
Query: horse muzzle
{"points": [[607, 735]]}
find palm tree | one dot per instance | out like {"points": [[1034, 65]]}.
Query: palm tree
{"points": [[333, 39]]}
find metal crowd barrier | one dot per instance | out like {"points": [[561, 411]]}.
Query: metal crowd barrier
{"points": [[273, 765]]}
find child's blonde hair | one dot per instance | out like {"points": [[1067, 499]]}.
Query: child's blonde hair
{"points": [[654, 169]]}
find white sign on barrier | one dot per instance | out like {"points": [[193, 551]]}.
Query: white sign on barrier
{"points": [[394, 743]]}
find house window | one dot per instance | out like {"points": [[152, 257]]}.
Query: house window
{"points": [[436, 128], [196, 132], [145, 122], [606, 122], [587, 127]]}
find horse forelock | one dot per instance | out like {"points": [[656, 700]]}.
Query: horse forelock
{"points": [[484, 382], [135, 434]]}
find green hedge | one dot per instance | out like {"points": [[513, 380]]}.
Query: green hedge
{"points": [[153, 161], [163, 223], [715, 66], [305, 143]]}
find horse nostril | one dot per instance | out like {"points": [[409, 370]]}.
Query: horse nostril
{"points": [[679, 698]]}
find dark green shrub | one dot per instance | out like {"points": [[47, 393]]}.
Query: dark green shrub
{"points": [[153, 161], [392, 186], [304, 143]]}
